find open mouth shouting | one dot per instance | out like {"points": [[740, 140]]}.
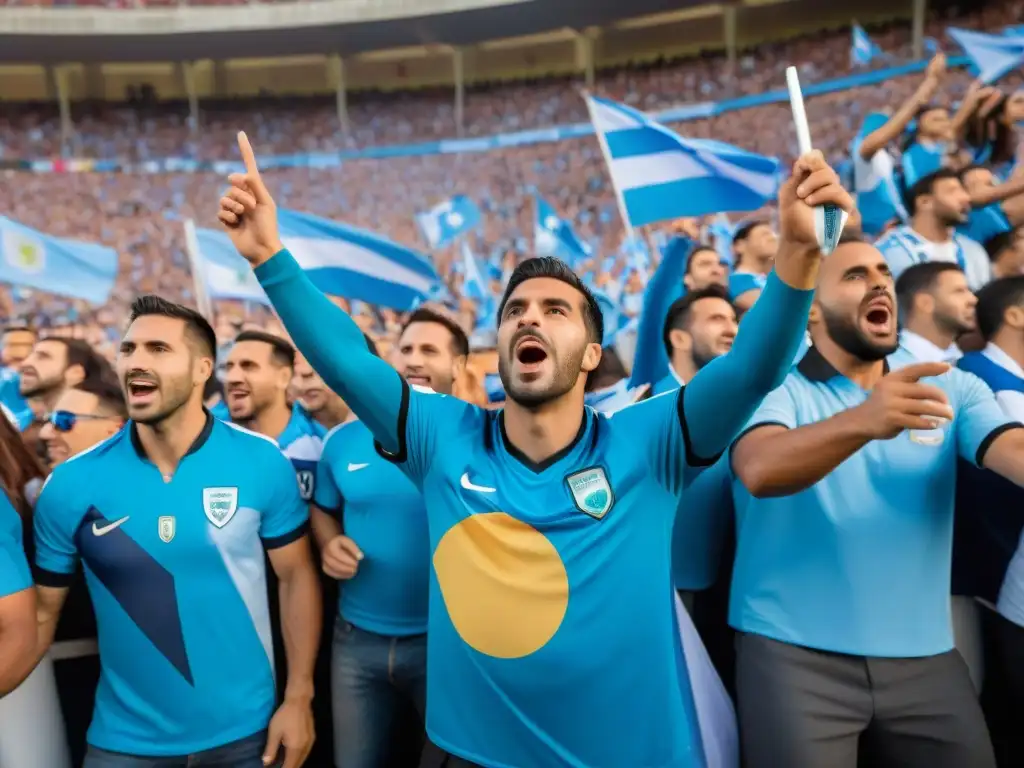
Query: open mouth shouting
{"points": [[141, 390], [530, 354], [879, 316]]}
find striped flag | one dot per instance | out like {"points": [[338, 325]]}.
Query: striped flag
{"points": [[339, 259], [659, 175]]}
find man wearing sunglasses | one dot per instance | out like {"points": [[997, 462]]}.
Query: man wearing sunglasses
{"points": [[83, 416]]}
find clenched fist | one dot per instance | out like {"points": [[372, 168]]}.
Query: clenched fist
{"points": [[813, 183]]}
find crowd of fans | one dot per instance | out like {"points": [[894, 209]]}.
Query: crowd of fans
{"points": [[141, 215]]}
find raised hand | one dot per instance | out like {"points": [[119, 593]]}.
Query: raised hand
{"points": [[813, 183], [899, 402], [248, 212]]}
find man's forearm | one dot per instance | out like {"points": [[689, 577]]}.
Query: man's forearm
{"points": [[786, 461], [301, 617]]}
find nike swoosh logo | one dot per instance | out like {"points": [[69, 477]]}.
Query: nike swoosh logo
{"points": [[357, 467], [103, 530], [478, 488]]}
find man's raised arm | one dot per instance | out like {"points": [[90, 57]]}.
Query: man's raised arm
{"points": [[325, 334], [725, 394]]}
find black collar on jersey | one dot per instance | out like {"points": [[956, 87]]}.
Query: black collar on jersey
{"points": [[554, 458], [815, 367], [198, 443]]}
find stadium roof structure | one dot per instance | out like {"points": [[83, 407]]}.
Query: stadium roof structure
{"points": [[90, 34]]}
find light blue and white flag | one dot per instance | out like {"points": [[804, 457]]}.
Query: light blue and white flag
{"points": [[554, 236], [72, 268], [992, 55], [218, 270], [339, 259], [473, 284], [659, 175], [614, 398], [722, 230], [862, 48], [448, 220]]}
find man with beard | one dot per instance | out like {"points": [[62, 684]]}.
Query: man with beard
{"points": [[699, 328], [937, 203], [170, 518], [379, 680], [545, 493], [844, 502], [937, 309], [257, 375]]}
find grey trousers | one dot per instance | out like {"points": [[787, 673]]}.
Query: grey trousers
{"points": [[803, 708]]}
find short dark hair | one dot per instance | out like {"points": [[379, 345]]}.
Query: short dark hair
{"points": [[109, 394], [80, 353], [19, 329], [196, 326], [460, 342], [919, 279], [996, 244], [281, 352], [556, 269], [695, 251], [926, 186], [994, 299], [678, 316], [744, 229]]}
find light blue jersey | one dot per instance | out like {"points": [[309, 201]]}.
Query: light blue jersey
{"points": [[903, 247], [302, 442], [921, 159], [985, 223], [742, 282], [859, 563], [176, 574], [548, 577], [384, 514], [874, 182], [14, 571]]}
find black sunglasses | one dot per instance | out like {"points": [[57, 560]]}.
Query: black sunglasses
{"points": [[64, 421]]}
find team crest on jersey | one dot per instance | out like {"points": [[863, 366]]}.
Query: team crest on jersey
{"points": [[167, 526], [220, 504], [591, 492]]}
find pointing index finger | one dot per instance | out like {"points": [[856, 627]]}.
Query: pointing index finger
{"points": [[248, 156], [920, 371]]}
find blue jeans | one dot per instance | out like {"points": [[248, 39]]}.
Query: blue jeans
{"points": [[244, 753], [378, 693]]}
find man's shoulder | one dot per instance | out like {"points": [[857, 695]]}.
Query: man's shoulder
{"points": [[242, 445], [339, 439]]}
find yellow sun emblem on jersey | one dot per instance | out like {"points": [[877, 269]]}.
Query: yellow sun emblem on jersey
{"points": [[503, 583]]}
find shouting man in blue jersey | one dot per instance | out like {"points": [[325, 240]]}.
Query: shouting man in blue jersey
{"points": [[552, 632], [170, 518]]}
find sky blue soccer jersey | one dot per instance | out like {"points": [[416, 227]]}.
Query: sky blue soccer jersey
{"points": [[14, 570], [553, 637], [302, 441], [177, 579], [859, 563], [384, 514]]}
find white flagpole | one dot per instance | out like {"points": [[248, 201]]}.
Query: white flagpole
{"points": [[195, 262], [608, 162]]}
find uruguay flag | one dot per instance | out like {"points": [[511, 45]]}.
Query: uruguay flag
{"points": [[448, 220], [553, 236], [862, 48], [30, 259], [992, 55], [659, 175], [339, 259]]}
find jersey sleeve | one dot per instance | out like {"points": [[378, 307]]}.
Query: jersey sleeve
{"points": [[979, 417], [741, 282], [328, 496], [896, 255], [55, 521], [14, 571], [285, 515], [335, 347]]}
